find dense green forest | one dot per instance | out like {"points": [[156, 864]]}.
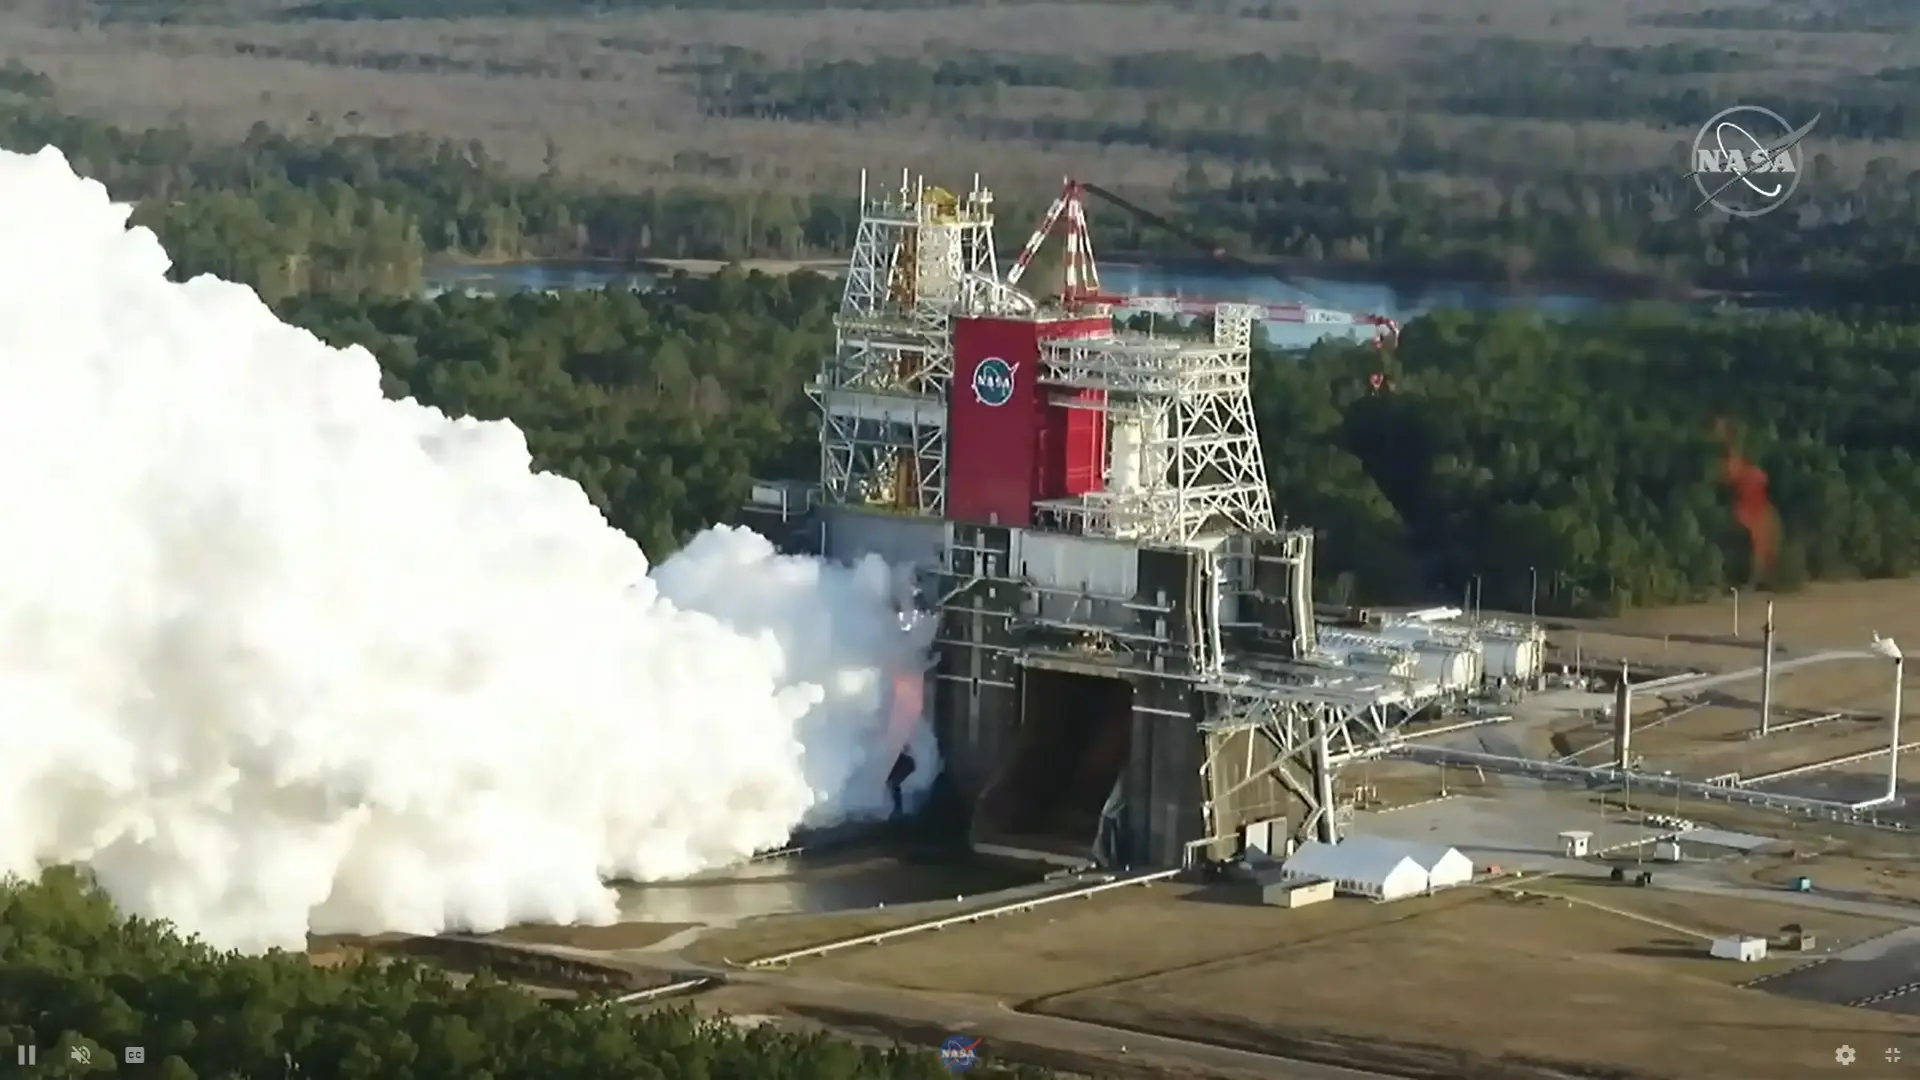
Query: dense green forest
{"points": [[1584, 450], [77, 974], [330, 211]]}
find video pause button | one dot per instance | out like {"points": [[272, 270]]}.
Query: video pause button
{"points": [[27, 1055]]}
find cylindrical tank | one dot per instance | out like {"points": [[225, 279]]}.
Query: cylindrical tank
{"points": [[1124, 474], [1512, 656], [1450, 668]]}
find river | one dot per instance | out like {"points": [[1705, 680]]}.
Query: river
{"points": [[1396, 301]]}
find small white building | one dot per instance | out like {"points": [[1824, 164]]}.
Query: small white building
{"points": [[1295, 893], [1742, 948], [1379, 868], [1574, 843]]}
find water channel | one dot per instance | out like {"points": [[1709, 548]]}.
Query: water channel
{"points": [[1400, 301]]}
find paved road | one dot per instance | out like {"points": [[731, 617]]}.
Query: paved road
{"points": [[1869, 908]]}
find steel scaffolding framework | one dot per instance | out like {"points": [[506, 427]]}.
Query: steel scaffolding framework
{"points": [[921, 254], [1313, 729], [1200, 471]]}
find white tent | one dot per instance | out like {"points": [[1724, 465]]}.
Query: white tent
{"points": [[1445, 866], [1378, 867], [1358, 867]]}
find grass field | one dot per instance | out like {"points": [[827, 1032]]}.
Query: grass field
{"points": [[1409, 987], [611, 96]]}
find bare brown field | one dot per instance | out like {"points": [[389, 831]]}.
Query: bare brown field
{"points": [[1867, 864], [1405, 986], [1713, 739], [1126, 934], [1498, 987], [1894, 878], [605, 92], [1826, 615], [1707, 916]]}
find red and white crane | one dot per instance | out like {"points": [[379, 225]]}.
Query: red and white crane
{"points": [[1083, 273]]}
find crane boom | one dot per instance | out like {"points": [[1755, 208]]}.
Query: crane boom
{"points": [[1083, 278]]}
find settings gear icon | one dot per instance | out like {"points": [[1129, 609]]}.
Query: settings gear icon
{"points": [[1844, 1055]]}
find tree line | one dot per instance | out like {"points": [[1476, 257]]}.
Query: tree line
{"points": [[1582, 455], [328, 211], [1534, 208], [78, 975], [1507, 449]]}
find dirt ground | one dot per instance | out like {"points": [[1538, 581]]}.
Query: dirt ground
{"points": [[1501, 982], [1403, 987], [1699, 637]]}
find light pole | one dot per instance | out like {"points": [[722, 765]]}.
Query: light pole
{"points": [[1477, 596], [1533, 594], [1736, 610]]}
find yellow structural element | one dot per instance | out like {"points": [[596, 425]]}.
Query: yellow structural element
{"points": [[903, 279], [940, 206]]}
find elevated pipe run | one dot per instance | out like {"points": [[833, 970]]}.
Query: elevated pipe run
{"points": [[1433, 755], [1887, 648], [1821, 766], [883, 936], [1893, 725]]}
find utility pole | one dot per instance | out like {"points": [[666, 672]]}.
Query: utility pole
{"points": [[1533, 594], [1736, 610]]}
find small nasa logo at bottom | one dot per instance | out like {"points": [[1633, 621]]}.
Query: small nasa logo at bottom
{"points": [[959, 1053]]}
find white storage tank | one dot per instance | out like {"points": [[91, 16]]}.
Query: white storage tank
{"points": [[1514, 654], [1453, 669]]}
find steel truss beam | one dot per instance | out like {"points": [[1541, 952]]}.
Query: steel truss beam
{"points": [[920, 254], [1312, 731], [1200, 469]]}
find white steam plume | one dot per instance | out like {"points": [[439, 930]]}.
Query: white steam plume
{"points": [[278, 655]]}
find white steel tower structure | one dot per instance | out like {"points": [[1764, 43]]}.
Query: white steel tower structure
{"points": [[922, 253], [1184, 460]]}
